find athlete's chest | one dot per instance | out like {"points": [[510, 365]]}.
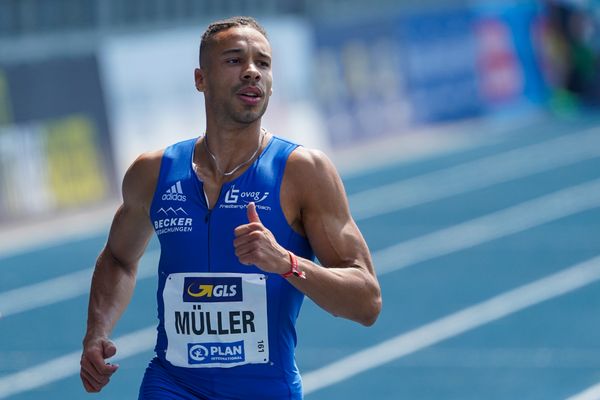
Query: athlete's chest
{"points": [[184, 207]]}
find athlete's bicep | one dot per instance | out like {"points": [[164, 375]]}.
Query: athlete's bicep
{"points": [[326, 218], [129, 235], [131, 228]]}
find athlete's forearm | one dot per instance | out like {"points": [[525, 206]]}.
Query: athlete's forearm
{"points": [[112, 287], [349, 292]]}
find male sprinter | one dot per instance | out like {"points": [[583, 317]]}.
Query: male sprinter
{"points": [[240, 215]]}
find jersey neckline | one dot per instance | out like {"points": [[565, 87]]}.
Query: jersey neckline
{"points": [[200, 183]]}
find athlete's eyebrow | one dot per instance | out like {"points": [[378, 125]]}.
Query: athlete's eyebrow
{"points": [[231, 51], [238, 51], [264, 55]]}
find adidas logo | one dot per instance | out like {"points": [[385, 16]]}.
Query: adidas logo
{"points": [[174, 193]]}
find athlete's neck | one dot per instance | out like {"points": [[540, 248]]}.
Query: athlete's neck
{"points": [[230, 147]]}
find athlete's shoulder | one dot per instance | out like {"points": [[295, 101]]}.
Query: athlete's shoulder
{"points": [[145, 165], [311, 171], [141, 177], [306, 160]]}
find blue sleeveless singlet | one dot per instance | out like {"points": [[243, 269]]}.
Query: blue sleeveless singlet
{"points": [[226, 330]]}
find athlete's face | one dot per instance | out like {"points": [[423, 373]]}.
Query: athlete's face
{"points": [[235, 75]]}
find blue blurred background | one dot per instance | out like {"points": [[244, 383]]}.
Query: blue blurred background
{"points": [[86, 85], [394, 91]]}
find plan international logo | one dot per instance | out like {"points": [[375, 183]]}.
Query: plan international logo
{"points": [[207, 353], [174, 193]]}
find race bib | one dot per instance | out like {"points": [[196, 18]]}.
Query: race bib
{"points": [[216, 319]]}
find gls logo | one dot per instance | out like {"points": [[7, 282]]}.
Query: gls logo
{"points": [[212, 290], [233, 195]]}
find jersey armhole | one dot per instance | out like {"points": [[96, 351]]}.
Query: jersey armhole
{"points": [[167, 160], [282, 165]]}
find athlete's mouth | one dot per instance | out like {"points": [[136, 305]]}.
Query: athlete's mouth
{"points": [[250, 92], [250, 95]]}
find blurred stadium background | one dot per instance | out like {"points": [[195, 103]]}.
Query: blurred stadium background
{"points": [[439, 113]]}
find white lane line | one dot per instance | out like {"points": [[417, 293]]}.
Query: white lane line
{"points": [[564, 198], [591, 393], [404, 344], [454, 324], [47, 292], [477, 174], [439, 140], [41, 234], [483, 229], [68, 365], [424, 143], [436, 185], [64, 287], [492, 226]]}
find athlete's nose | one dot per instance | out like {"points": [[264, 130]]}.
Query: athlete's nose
{"points": [[251, 73]]}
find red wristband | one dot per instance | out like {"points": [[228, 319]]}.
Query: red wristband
{"points": [[294, 270]]}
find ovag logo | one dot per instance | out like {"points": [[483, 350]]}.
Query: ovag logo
{"points": [[233, 195], [212, 290]]}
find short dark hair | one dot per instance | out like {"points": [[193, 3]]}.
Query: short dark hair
{"points": [[225, 24]]}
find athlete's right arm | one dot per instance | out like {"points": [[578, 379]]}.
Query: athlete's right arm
{"points": [[115, 273]]}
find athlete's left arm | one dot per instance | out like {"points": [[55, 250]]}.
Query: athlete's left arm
{"points": [[347, 286], [315, 202]]}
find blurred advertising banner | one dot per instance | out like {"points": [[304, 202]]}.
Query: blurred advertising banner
{"points": [[382, 76], [509, 58], [359, 79], [54, 143]]}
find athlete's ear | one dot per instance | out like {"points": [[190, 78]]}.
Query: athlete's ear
{"points": [[199, 79]]}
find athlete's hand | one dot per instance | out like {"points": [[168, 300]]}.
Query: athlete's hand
{"points": [[95, 372], [255, 244]]}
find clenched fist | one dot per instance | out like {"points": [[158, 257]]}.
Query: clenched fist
{"points": [[95, 372], [255, 244]]}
